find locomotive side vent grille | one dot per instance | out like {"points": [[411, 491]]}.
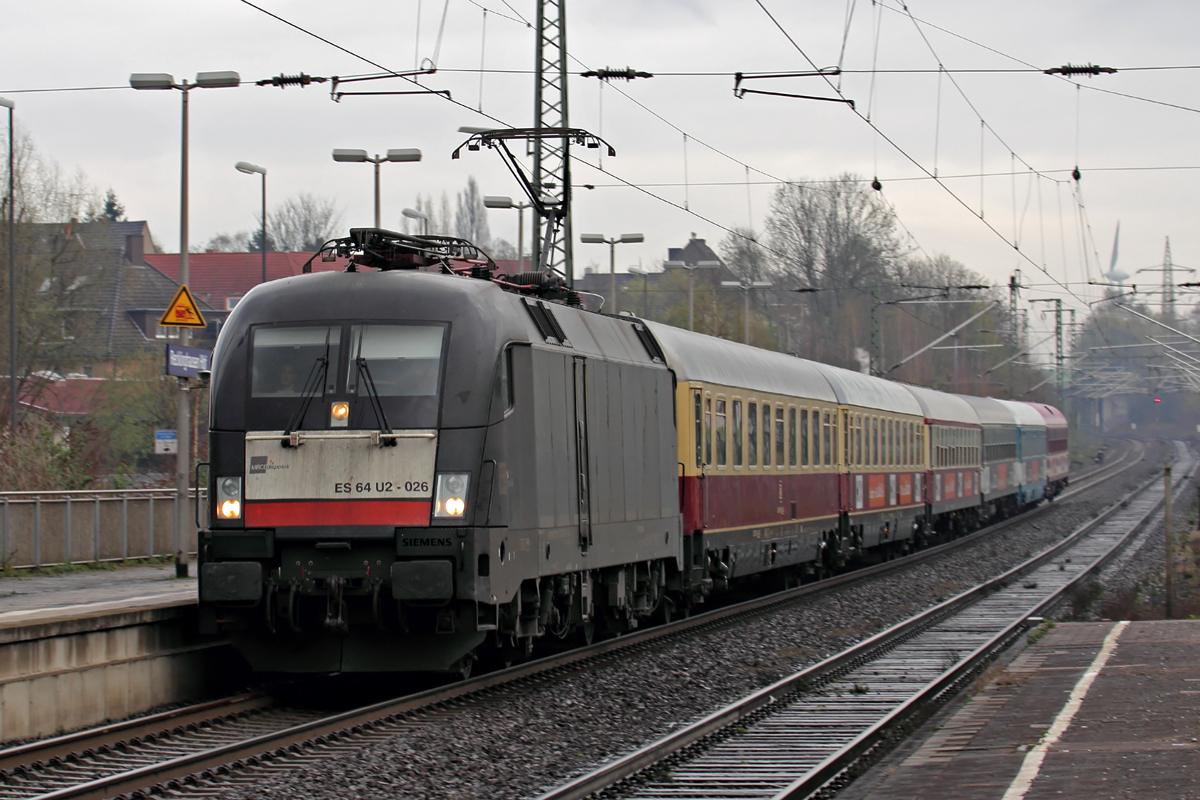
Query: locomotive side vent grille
{"points": [[546, 323]]}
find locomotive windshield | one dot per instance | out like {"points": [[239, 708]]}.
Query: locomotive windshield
{"points": [[403, 359], [331, 361], [285, 358]]}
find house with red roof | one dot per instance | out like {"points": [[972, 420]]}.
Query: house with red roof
{"points": [[222, 279]]}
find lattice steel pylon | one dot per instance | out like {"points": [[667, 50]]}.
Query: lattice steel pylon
{"points": [[551, 157]]}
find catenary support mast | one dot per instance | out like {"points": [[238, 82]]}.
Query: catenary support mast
{"points": [[551, 157]]}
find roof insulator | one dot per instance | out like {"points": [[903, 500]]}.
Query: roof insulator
{"points": [[1079, 69]]}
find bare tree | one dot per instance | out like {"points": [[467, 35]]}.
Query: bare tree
{"points": [[744, 256], [228, 242], [503, 249], [470, 220], [57, 272], [833, 234], [303, 223]]}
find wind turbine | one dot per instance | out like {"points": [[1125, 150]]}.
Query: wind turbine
{"points": [[1114, 274]]}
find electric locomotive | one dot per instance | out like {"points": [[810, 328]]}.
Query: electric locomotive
{"points": [[410, 466]]}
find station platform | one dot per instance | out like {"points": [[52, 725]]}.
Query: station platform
{"points": [[80, 648], [36, 599], [1093, 710]]}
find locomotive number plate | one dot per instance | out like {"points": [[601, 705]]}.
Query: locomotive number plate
{"points": [[339, 468]]}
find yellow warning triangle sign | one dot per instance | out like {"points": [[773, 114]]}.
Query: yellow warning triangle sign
{"points": [[182, 312]]}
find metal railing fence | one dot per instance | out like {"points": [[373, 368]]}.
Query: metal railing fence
{"points": [[39, 529]]}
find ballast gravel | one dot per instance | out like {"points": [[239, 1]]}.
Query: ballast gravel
{"points": [[521, 742]]}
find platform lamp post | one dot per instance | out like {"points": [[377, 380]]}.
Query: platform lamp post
{"points": [[403, 154], [252, 169], [645, 289], [691, 270], [12, 276], [625, 238], [496, 201], [412, 213], [183, 457], [746, 288]]}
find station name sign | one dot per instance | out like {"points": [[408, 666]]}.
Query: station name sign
{"points": [[187, 362]]}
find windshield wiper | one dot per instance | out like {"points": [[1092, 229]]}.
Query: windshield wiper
{"points": [[316, 380], [364, 375]]}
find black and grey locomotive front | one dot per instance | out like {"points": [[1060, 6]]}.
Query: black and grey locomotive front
{"points": [[404, 473]]}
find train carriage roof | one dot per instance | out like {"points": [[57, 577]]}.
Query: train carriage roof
{"points": [[1053, 417], [990, 410], [697, 357], [1026, 415], [942, 407], [865, 391]]}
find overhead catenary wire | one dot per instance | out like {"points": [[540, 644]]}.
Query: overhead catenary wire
{"points": [[622, 180], [912, 159]]}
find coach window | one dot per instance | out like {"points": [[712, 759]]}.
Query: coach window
{"points": [[846, 438], [827, 438], [779, 436], [737, 433], [766, 434], [903, 426], [752, 434], [891, 442], [720, 433], [804, 437], [874, 441], [791, 436], [699, 432], [858, 439], [708, 431]]}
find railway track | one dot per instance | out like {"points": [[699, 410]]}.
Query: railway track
{"points": [[211, 742], [805, 732]]}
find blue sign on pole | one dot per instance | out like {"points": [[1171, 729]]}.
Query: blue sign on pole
{"points": [[187, 362], [166, 442]]}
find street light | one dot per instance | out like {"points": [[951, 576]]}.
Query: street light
{"points": [[403, 154], [626, 238], [12, 277], [496, 201], [251, 169], [161, 80], [746, 287], [412, 213], [691, 268]]}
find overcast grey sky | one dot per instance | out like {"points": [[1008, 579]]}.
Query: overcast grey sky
{"points": [[130, 140]]}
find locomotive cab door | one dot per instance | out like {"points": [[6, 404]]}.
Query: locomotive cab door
{"points": [[582, 461]]}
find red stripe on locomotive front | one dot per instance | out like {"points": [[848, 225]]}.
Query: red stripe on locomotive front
{"points": [[338, 512]]}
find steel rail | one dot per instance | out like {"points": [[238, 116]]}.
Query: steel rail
{"points": [[91, 738], [781, 694], [278, 743]]}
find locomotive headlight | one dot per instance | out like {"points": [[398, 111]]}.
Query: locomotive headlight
{"points": [[229, 498], [450, 494], [339, 414]]}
